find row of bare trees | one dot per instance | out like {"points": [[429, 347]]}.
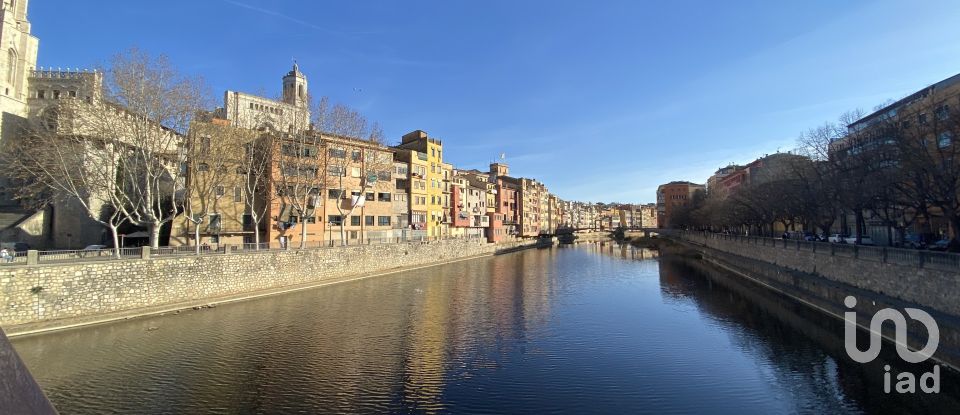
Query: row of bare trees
{"points": [[147, 153], [899, 167]]}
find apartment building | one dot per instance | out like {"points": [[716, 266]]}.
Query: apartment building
{"points": [[216, 185], [428, 188], [340, 189], [672, 195]]}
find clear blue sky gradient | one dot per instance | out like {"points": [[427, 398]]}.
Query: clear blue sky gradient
{"points": [[603, 101]]}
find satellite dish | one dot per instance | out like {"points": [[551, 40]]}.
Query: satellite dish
{"points": [[372, 178]]}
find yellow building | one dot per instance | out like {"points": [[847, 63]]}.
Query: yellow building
{"points": [[429, 186]]}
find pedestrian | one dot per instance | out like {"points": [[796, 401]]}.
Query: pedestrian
{"points": [[5, 255]]}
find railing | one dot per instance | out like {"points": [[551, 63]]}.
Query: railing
{"points": [[944, 261], [81, 255]]}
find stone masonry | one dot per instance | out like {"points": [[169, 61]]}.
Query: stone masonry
{"points": [[55, 291], [902, 278]]}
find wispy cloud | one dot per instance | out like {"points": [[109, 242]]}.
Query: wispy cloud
{"points": [[291, 19]]}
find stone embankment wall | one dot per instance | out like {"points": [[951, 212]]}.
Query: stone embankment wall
{"points": [[883, 272], [37, 293]]}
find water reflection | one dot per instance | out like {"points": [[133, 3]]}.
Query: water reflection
{"points": [[593, 328]]}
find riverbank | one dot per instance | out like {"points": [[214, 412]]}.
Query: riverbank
{"points": [[53, 297], [827, 296]]}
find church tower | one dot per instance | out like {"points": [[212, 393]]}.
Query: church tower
{"points": [[18, 56], [295, 88]]}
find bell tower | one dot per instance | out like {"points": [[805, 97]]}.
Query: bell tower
{"points": [[295, 87]]}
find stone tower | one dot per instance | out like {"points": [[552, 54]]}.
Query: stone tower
{"points": [[295, 87], [18, 57]]}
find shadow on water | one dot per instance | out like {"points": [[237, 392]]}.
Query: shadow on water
{"points": [[800, 335], [593, 328]]}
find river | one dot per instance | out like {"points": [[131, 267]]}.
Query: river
{"points": [[596, 328]]}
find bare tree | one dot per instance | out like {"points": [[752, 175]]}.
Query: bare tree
{"points": [[255, 173], [927, 157], [60, 159], [300, 178], [212, 154], [354, 152], [147, 107]]}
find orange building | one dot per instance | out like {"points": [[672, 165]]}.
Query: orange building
{"points": [[324, 182], [671, 196]]}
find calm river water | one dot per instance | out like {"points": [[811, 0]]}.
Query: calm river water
{"points": [[595, 328]]}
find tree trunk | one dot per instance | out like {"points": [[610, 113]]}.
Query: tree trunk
{"points": [[116, 241], [861, 226], [154, 234], [303, 231], [256, 231], [196, 237]]}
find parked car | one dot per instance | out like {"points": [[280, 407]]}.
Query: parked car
{"points": [[812, 237], [940, 245], [93, 250], [838, 238], [913, 241]]}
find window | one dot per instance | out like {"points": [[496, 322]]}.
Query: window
{"points": [[203, 167], [403, 169], [220, 191], [354, 172], [294, 219], [368, 220], [41, 94], [383, 197], [338, 153], [73, 94], [251, 105], [247, 219], [56, 94], [400, 197], [237, 194], [945, 139], [369, 197], [11, 66], [383, 220], [922, 119], [214, 221], [943, 112], [355, 155], [333, 193], [204, 145], [311, 219], [336, 220], [354, 220], [337, 171], [384, 176]]}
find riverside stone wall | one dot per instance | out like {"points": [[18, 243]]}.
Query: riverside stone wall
{"points": [[872, 269], [55, 291]]}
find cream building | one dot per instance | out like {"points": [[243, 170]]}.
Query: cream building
{"points": [[253, 112]]}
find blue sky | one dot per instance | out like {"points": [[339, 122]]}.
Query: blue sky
{"points": [[603, 100]]}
